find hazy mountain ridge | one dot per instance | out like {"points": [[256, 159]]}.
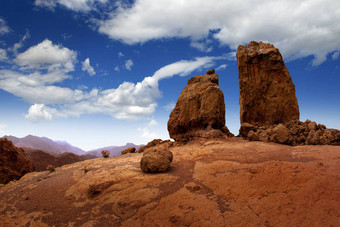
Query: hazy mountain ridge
{"points": [[45, 144], [59, 147]]}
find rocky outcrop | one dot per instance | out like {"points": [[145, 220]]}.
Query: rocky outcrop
{"points": [[129, 150], [219, 182], [13, 162], [153, 143], [199, 111], [156, 160], [267, 92], [295, 133]]}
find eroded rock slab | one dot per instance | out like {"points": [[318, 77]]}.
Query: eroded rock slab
{"points": [[199, 111], [267, 92]]}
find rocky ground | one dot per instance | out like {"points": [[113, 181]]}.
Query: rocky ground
{"points": [[230, 182]]}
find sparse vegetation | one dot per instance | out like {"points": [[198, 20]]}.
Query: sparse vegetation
{"points": [[50, 168], [105, 153]]}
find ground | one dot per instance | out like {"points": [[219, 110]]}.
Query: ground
{"points": [[230, 182]]}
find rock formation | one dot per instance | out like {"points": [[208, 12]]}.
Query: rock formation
{"points": [[296, 133], [156, 160], [199, 111], [129, 150], [153, 143], [267, 93], [13, 162], [268, 106]]}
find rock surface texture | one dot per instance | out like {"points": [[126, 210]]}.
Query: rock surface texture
{"points": [[129, 150], [199, 111], [13, 162], [222, 182], [156, 160], [267, 92]]}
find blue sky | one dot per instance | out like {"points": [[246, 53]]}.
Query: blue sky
{"points": [[99, 72]]}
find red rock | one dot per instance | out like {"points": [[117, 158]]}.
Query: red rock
{"points": [[13, 162], [156, 160], [129, 150], [267, 93], [199, 111]]}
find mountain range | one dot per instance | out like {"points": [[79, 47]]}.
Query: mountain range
{"points": [[60, 147]]}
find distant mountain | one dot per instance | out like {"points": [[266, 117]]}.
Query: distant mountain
{"points": [[45, 144], [41, 159], [114, 150]]}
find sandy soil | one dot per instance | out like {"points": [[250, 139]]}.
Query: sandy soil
{"points": [[211, 183]]}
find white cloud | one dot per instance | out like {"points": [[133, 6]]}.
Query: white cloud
{"points": [[20, 44], [170, 106], [146, 131], [117, 69], [46, 55], [37, 113], [76, 5], [3, 55], [50, 64], [297, 28], [87, 67], [128, 64], [221, 67], [3, 27], [120, 54], [335, 55]]}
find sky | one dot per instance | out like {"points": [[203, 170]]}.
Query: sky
{"points": [[98, 73]]}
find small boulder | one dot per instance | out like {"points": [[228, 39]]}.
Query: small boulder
{"points": [[129, 150], [156, 160], [281, 134], [312, 126], [210, 71]]}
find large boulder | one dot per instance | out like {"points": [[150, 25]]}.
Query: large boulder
{"points": [[267, 92], [199, 111], [156, 160], [13, 162]]}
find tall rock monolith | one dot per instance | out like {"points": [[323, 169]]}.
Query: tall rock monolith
{"points": [[199, 111], [267, 93]]}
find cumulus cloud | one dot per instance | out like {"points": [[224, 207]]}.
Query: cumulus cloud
{"points": [[38, 112], [298, 28], [3, 55], [45, 65], [117, 68], [120, 54], [76, 5], [3, 27], [87, 67], [47, 55], [128, 64]]}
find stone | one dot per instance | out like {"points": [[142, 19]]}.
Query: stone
{"points": [[152, 144], [281, 134], [156, 160], [129, 150], [13, 162], [210, 71], [267, 92], [312, 126], [252, 136], [199, 111]]}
